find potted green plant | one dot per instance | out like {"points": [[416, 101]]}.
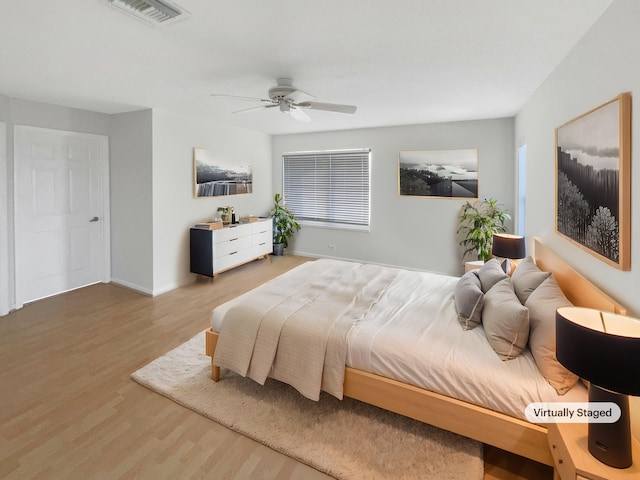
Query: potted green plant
{"points": [[284, 225], [478, 222]]}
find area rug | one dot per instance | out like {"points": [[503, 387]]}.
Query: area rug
{"points": [[344, 439]]}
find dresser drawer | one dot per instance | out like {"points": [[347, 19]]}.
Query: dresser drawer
{"points": [[230, 246], [231, 233], [261, 227], [263, 248], [233, 259], [263, 237]]}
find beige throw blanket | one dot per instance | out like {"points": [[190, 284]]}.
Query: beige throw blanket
{"points": [[294, 328]]}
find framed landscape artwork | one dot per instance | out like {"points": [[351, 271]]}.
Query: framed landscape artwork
{"points": [[439, 173], [212, 178], [593, 181]]}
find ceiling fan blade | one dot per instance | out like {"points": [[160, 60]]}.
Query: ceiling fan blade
{"points": [[329, 107], [237, 97], [260, 107], [244, 110], [298, 114], [299, 96]]}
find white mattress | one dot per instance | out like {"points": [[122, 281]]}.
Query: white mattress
{"points": [[411, 334]]}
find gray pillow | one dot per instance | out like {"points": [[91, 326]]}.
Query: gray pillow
{"points": [[505, 320], [542, 305], [469, 300], [526, 278], [490, 274]]}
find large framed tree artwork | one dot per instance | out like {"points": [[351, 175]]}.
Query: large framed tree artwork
{"points": [[593, 181]]}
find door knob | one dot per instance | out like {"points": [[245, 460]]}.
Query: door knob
{"points": [[94, 219]]}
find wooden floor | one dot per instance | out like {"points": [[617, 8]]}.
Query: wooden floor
{"points": [[68, 409]]}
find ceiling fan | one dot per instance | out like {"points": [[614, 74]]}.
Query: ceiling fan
{"points": [[291, 101]]}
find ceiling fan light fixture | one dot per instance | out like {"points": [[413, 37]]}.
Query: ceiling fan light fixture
{"points": [[290, 100], [152, 12]]}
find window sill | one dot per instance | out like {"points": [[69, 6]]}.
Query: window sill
{"points": [[335, 226]]}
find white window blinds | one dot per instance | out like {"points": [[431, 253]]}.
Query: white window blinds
{"points": [[328, 187]]}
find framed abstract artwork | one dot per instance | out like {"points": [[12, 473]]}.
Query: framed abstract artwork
{"points": [[212, 178], [593, 181], [439, 173]]}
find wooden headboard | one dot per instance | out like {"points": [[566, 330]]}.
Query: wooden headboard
{"points": [[578, 289]]}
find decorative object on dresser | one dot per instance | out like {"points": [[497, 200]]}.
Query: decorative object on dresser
{"points": [[226, 215], [215, 225], [479, 221], [509, 247], [604, 349], [593, 181], [284, 225], [213, 251]]}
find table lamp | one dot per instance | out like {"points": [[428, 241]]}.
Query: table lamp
{"points": [[603, 348], [508, 246]]}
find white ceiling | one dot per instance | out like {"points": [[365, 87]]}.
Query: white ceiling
{"points": [[401, 62]]}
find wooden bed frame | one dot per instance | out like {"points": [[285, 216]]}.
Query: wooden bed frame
{"points": [[481, 424]]}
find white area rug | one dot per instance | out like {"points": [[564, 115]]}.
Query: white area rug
{"points": [[347, 440]]}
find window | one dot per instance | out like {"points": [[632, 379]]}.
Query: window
{"points": [[330, 188]]}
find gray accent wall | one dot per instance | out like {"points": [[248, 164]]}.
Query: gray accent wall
{"points": [[413, 232], [131, 183]]}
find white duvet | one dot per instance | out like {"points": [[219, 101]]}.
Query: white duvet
{"points": [[410, 333]]}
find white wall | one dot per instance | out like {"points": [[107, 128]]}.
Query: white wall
{"points": [[407, 231], [601, 66], [174, 207], [131, 159]]}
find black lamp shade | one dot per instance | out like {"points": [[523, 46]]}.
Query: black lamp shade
{"points": [[601, 347], [506, 245]]}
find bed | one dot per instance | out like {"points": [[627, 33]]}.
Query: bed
{"points": [[377, 378]]}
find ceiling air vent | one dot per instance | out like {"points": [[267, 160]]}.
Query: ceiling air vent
{"points": [[153, 12]]}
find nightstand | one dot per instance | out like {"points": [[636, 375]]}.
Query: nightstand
{"points": [[568, 444], [473, 265]]}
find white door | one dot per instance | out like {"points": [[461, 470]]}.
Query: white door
{"points": [[62, 224]]}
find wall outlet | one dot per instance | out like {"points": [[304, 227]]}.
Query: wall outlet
{"points": [[332, 246]]}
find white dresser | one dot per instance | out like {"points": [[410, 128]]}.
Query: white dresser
{"points": [[213, 251]]}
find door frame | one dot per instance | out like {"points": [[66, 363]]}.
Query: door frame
{"points": [[105, 215], [6, 297]]}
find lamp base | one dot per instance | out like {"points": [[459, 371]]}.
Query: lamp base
{"points": [[507, 265], [611, 442]]}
